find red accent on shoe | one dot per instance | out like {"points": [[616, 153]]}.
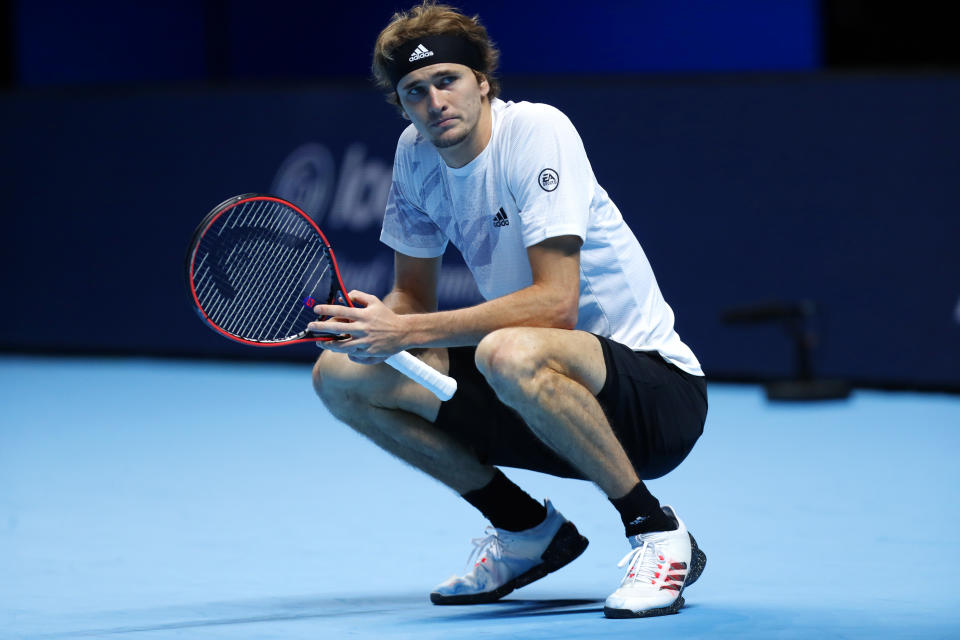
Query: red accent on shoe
{"points": [[671, 587], [678, 565]]}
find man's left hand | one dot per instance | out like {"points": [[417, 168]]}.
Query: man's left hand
{"points": [[374, 331]]}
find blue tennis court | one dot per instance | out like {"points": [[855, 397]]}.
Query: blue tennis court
{"points": [[161, 498]]}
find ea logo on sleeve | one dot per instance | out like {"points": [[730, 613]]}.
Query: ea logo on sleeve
{"points": [[549, 180]]}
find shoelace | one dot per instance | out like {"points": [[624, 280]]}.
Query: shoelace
{"points": [[491, 541], [637, 569]]}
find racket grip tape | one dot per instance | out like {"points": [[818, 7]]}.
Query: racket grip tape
{"points": [[409, 365]]}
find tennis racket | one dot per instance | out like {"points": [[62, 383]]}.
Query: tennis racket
{"points": [[257, 266]]}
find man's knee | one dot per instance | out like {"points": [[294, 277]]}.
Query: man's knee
{"points": [[349, 389], [329, 382], [514, 361]]}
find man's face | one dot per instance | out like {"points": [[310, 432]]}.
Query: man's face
{"points": [[444, 102]]}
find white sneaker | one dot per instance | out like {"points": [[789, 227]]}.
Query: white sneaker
{"points": [[658, 569], [507, 560]]}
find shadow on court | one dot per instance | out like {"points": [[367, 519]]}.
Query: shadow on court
{"points": [[524, 608], [259, 613]]}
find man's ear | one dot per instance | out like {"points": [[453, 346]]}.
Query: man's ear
{"points": [[484, 84]]}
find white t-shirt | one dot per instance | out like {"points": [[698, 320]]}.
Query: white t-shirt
{"points": [[532, 182]]}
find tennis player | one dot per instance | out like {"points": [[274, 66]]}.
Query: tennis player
{"points": [[570, 367]]}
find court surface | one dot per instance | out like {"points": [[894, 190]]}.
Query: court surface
{"points": [[165, 499]]}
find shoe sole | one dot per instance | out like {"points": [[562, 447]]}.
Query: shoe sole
{"points": [[649, 613], [566, 546], [698, 560]]}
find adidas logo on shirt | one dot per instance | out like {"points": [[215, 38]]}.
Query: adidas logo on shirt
{"points": [[501, 219], [420, 52]]}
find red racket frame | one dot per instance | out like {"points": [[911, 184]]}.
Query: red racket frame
{"points": [[208, 222]]}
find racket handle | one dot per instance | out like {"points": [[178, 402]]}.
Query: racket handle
{"points": [[416, 369]]}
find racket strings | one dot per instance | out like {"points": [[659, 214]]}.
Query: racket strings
{"points": [[291, 298], [275, 263], [272, 261], [235, 302], [228, 263], [252, 314], [295, 311], [269, 262]]}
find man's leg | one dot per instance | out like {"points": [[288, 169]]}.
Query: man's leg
{"points": [[551, 377], [398, 415]]}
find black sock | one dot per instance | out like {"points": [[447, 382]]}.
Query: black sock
{"points": [[641, 513], [506, 505]]}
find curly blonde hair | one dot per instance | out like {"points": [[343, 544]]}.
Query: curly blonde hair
{"points": [[428, 19]]}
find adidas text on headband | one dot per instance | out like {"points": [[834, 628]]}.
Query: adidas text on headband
{"points": [[433, 49]]}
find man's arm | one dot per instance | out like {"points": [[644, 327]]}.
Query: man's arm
{"points": [[414, 285], [551, 301]]}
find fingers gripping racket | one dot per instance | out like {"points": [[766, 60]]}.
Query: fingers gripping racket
{"points": [[257, 266]]}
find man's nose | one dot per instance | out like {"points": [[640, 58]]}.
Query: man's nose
{"points": [[435, 99]]}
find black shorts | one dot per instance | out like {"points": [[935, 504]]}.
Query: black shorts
{"points": [[656, 410]]}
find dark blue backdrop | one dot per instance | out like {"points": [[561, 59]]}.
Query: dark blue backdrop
{"points": [[117, 41], [842, 190]]}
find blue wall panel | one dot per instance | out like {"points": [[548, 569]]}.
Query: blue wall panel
{"points": [[115, 41], [843, 191], [61, 42]]}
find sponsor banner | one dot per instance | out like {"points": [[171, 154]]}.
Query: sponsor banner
{"points": [[836, 191]]}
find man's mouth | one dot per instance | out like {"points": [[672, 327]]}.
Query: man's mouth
{"points": [[443, 122]]}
